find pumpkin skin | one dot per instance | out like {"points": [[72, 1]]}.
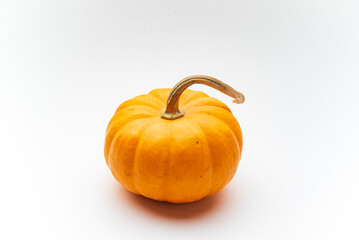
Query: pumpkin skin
{"points": [[178, 161]]}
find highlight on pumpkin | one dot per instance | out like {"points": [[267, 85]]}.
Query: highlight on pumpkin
{"points": [[175, 145]]}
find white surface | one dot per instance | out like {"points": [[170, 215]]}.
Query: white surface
{"points": [[66, 65]]}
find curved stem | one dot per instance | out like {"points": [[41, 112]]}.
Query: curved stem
{"points": [[172, 110]]}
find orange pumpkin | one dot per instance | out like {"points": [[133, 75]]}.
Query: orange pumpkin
{"points": [[175, 145]]}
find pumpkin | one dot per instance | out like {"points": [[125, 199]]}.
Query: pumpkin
{"points": [[175, 145]]}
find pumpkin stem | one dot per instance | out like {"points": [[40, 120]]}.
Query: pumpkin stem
{"points": [[172, 110]]}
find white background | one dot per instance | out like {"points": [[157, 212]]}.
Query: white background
{"points": [[66, 65]]}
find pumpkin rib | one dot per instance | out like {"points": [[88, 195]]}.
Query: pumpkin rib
{"points": [[187, 95], [206, 101], [164, 185], [195, 95], [117, 118], [117, 130], [138, 105], [142, 100], [115, 139], [192, 109], [190, 155], [226, 124], [234, 137], [136, 161], [208, 153], [231, 121], [156, 94]]}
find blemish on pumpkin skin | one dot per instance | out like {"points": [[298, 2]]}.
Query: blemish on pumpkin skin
{"points": [[200, 176], [197, 142]]}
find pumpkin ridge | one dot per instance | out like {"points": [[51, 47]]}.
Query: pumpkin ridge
{"points": [[134, 160], [201, 106], [218, 117], [152, 93], [141, 101], [226, 124], [136, 105], [205, 101], [164, 184], [135, 156], [141, 130], [237, 144], [208, 150], [129, 117], [114, 138], [195, 95]]}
